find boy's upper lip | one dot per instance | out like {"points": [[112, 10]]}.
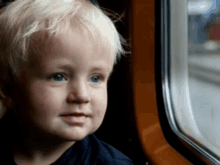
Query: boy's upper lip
{"points": [[74, 114]]}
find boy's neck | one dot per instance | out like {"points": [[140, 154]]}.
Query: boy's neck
{"points": [[30, 151]]}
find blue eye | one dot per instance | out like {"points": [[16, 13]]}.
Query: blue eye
{"points": [[58, 77], [95, 79]]}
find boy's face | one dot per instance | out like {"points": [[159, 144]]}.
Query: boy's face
{"points": [[65, 95]]}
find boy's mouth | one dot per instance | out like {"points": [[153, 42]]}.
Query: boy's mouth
{"points": [[75, 119], [75, 114]]}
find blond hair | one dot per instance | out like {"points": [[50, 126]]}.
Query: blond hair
{"points": [[22, 20]]}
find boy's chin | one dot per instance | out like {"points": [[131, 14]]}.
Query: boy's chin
{"points": [[75, 137], [79, 138]]}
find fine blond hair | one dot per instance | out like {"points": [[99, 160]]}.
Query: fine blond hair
{"points": [[23, 20]]}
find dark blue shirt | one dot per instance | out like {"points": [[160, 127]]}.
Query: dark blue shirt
{"points": [[92, 151]]}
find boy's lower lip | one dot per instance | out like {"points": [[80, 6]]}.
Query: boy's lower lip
{"points": [[74, 120]]}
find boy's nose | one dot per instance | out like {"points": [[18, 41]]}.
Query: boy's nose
{"points": [[78, 93]]}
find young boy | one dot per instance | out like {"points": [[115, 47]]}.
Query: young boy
{"points": [[56, 59]]}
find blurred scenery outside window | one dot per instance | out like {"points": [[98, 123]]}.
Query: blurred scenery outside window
{"points": [[204, 70]]}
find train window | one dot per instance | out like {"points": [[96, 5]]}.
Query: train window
{"points": [[191, 72]]}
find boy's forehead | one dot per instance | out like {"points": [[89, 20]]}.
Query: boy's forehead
{"points": [[56, 47], [75, 35]]}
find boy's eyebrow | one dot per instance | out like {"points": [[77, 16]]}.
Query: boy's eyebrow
{"points": [[98, 67], [62, 66]]}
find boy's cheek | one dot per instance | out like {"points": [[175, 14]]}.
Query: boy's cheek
{"points": [[47, 100], [100, 94], [42, 99]]}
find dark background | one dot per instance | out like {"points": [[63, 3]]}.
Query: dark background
{"points": [[119, 126]]}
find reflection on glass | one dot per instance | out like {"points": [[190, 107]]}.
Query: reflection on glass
{"points": [[204, 69]]}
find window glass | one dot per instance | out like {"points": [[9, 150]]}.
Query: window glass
{"points": [[192, 73], [204, 69]]}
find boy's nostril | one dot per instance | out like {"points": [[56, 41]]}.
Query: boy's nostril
{"points": [[77, 98]]}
